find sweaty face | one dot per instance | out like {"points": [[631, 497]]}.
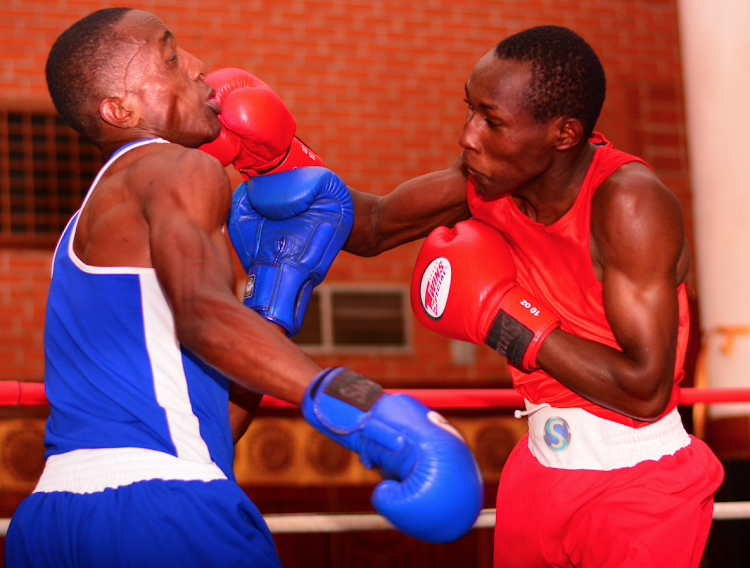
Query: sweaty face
{"points": [[505, 148], [164, 84]]}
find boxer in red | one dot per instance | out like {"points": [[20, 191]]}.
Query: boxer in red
{"points": [[568, 257]]}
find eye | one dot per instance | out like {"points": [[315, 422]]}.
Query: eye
{"points": [[491, 123], [468, 103]]}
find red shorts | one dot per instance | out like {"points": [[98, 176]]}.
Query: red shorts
{"points": [[654, 514]]}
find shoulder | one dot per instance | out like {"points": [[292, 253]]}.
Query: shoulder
{"points": [[171, 171], [636, 219], [170, 179], [634, 194], [173, 163]]}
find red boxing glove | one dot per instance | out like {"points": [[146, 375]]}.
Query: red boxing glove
{"points": [[464, 287], [257, 130]]}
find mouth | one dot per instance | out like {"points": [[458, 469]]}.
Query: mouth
{"points": [[480, 180], [475, 174], [467, 162], [212, 103]]}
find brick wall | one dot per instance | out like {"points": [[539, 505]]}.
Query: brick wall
{"points": [[24, 278], [377, 90]]}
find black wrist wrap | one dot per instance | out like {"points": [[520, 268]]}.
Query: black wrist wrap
{"points": [[352, 388], [509, 337]]}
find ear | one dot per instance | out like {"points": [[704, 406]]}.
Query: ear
{"points": [[116, 111], [569, 133]]}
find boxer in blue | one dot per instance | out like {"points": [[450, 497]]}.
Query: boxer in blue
{"points": [[154, 367]]}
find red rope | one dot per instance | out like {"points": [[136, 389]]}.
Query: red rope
{"points": [[509, 398], [15, 393]]}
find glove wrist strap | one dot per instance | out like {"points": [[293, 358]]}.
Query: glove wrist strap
{"points": [[337, 402], [521, 325], [354, 389]]}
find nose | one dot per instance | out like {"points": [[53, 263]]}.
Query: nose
{"points": [[469, 138], [195, 67]]}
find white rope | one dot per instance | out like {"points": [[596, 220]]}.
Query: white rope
{"points": [[329, 523], [734, 510], [334, 522], [326, 523]]}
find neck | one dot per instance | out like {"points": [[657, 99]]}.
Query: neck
{"points": [[547, 198]]}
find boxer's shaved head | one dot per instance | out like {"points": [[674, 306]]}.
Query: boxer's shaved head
{"points": [[567, 76], [84, 62]]}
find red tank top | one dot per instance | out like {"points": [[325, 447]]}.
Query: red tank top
{"points": [[554, 264]]}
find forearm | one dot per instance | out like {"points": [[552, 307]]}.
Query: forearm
{"points": [[246, 348], [243, 405], [409, 212], [638, 388]]}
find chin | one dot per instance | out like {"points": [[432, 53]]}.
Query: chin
{"points": [[489, 193], [197, 140], [215, 134]]}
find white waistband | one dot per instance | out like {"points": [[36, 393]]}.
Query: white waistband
{"points": [[91, 471], [571, 438]]}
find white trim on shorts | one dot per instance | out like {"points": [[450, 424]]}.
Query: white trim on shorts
{"points": [[572, 438], [92, 471]]}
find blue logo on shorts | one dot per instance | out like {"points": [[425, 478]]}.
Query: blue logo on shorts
{"points": [[557, 434]]}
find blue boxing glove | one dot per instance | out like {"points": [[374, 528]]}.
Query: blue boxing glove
{"points": [[287, 229], [433, 488]]}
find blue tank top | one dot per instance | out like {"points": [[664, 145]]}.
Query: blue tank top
{"points": [[116, 375]]}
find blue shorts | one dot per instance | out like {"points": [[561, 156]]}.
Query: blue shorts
{"points": [[149, 523]]}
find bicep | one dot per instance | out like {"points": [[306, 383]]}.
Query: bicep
{"points": [[189, 259], [641, 241], [643, 315], [189, 251]]}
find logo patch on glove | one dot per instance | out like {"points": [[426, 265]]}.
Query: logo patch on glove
{"points": [[354, 389], [434, 287], [249, 286]]}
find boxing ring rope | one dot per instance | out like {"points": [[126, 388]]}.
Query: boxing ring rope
{"points": [[15, 393]]}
